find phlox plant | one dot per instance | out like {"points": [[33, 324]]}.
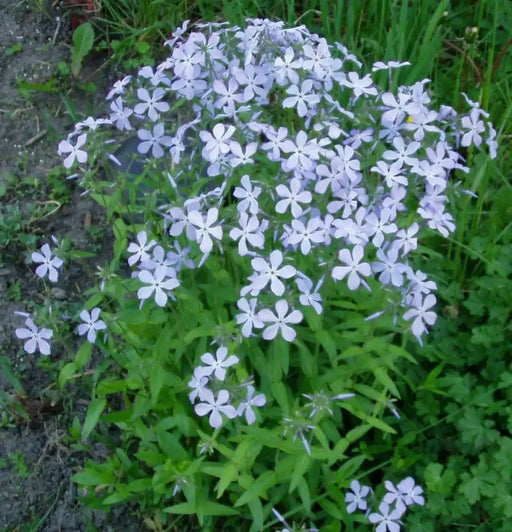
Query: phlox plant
{"points": [[267, 273]]}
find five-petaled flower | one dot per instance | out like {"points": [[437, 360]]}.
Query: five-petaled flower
{"points": [[270, 272], [246, 407], [280, 321], [91, 325], [249, 316], [159, 282], [74, 151], [420, 313], [388, 520], [215, 407], [216, 365], [35, 338], [354, 267], [216, 142], [356, 499], [140, 249], [49, 263], [205, 228]]}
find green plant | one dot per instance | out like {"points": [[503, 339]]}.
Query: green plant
{"points": [[449, 405], [83, 40], [17, 460], [13, 409], [14, 291], [165, 450]]}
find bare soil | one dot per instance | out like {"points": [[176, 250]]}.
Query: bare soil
{"points": [[36, 456]]}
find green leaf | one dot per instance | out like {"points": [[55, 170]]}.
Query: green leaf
{"points": [[301, 466], [170, 445], [118, 496], [200, 332], [331, 509], [83, 39], [93, 415], [120, 232], [327, 342], [280, 395], [256, 510], [83, 356], [92, 477], [105, 387], [14, 49], [156, 381], [437, 481], [258, 488], [93, 301], [6, 368], [132, 316], [229, 473], [385, 380], [307, 361], [66, 372], [304, 493], [348, 469], [205, 507], [379, 424]]}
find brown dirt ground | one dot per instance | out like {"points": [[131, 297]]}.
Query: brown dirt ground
{"points": [[36, 460]]}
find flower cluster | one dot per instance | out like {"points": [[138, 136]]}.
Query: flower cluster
{"points": [[213, 374], [318, 160], [38, 338], [392, 507]]}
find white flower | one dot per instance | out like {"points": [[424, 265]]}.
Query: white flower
{"points": [[118, 87], [120, 114], [36, 338], [74, 151], [310, 297], [91, 325], [198, 384], [153, 141], [247, 195], [411, 494], [140, 249], [215, 407], [292, 197], [49, 263], [250, 231], [360, 85], [216, 143], [249, 317], [354, 267], [390, 270], [356, 500], [302, 97], [306, 235], [420, 313], [303, 152], [247, 405], [387, 521], [271, 272], [158, 283], [151, 103], [286, 67], [217, 365], [280, 321], [475, 127], [205, 229], [239, 156]]}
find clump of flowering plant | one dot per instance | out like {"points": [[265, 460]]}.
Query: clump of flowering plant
{"points": [[279, 184]]}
